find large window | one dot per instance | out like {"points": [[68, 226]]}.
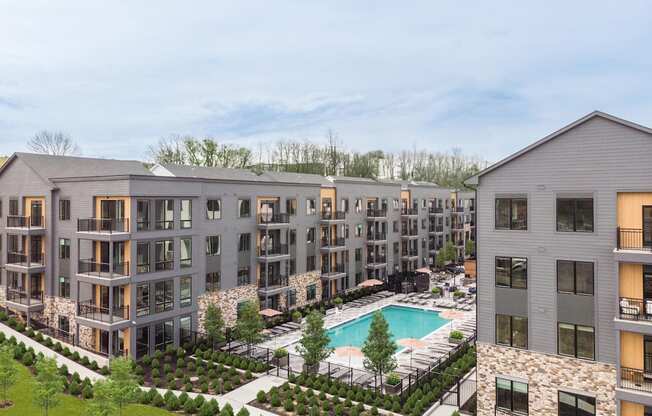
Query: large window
{"points": [[575, 214], [310, 235], [142, 215], [311, 206], [511, 214], [185, 329], [292, 297], [244, 208], [142, 299], [164, 214], [212, 281], [186, 213], [572, 404], [13, 206], [311, 292], [576, 341], [163, 335], [311, 263], [575, 277], [64, 248], [164, 255], [511, 272], [64, 209], [185, 291], [512, 396], [511, 331], [291, 206], [186, 252], [213, 209], [244, 243], [142, 257], [243, 276], [142, 341], [64, 287], [164, 296], [213, 245]]}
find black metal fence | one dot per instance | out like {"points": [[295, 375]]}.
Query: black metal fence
{"points": [[634, 239]]}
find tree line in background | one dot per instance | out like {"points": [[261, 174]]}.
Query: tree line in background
{"points": [[446, 168]]}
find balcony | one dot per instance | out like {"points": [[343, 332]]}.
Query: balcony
{"points": [[437, 229], [435, 211], [89, 310], [409, 212], [457, 226], [332, 216], [635, 309], [376, 237], [23, 223], [333, 244], [25, 301], [409, 232], [90, 267], [374, 262], [273, 220], [274, 284], [459, 243], [273, 253], [23, 261], [373, 213], [633, 245], [102, 225], [458, 210], [335, 271], [410, 255]]}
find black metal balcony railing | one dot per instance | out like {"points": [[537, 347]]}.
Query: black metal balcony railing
{"points": [[333, 242], [277, 250], [161, 265], [94, 268], [412, 231], [103, 225], [24, 298], [634, 239], [376, 259], [268, 219], [334, 268], [459, 209], [635, 309], [21, 221], [436, 229], [276, 280], [377, 236], [636, 379], [410, 253], [333, 215], [16, 257], [409, 211], [376, 213], [89, 310], [435, 210], [459, 243], [457, 226]]}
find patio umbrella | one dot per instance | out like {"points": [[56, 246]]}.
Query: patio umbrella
{"points": [[371, 282], [348, 351], [412, 344], [423, 270], [270, 313]]}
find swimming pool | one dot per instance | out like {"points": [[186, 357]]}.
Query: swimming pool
{"points": [[404, 322]]}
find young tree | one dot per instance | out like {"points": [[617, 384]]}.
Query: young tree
{"points": [[214, 324], [49, 384], [122, 382], [7, 370], [249, 326], [103, 402], [379, 348], [313, 345], [469, 248], [52, 143]]}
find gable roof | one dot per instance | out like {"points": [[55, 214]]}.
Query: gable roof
{"points": [[474, 180]]}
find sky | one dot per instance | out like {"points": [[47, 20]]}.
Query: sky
{"points": [[486, 77]]}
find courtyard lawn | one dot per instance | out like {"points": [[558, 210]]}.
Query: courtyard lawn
{"points": [[21, 395]]}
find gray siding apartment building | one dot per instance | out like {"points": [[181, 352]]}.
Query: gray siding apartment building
{"points": [[124, 259], [565, 274]]}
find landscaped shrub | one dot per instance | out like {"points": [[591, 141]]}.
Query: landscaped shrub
{"points": [[243, 412], [261, 397], [28, 358], [87, 392], [190, 407], [456, 335], [227, 410], [158, 400]]}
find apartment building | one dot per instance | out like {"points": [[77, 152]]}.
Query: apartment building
{"points": [[125, 258], [564, 255]]}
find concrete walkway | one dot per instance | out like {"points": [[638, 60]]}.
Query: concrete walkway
{"points": [[248, 392]]}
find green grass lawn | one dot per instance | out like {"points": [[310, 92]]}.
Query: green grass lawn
{"points": [[21, 395]]}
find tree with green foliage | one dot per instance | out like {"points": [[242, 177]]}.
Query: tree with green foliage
{"points": [[249, 325], [446, 254], [7, 370], [469, 248], [313, 345], [214, 324], [103, 402], [123, 382], [49, 384], [379, 348]]}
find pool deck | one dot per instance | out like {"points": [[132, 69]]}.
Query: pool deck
{"points": [[437, 341]]}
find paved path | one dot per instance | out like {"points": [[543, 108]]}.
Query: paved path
{"points": [[247, 393], [72, 366]]}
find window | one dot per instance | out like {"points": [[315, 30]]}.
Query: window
{"points": [[142, 299], [423, 223], [293, 237], [291, 206], [358, 230], [293, 267], [64, 209], [358, 254], [64, 324], [142, 215], [142, 257], [64, 248], [163, 335], [244, 208], [243, 275], [213, 245], [185, 291], [186, 213], [575, 215], [395, 226], [310, 263], [185, 329], [164, 214], [0, 207], [311, 207], [213, 209], [511, 396], [186, 252], [511, 272], [575, 277], [310, 235], [511, 331], [396, 247], [13, 206], [345, 205], [511, 214], [576, 341], [164, 296], [64, 287], [571, 404], [292, 297], [358, 205], [311, 292], [244, 243], [164, 255], [142, 341], [212, 281]]}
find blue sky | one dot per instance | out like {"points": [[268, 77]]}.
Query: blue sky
{"points": [[488, 77]]}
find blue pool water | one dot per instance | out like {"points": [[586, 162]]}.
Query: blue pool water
{"points": [[404, 322]]}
